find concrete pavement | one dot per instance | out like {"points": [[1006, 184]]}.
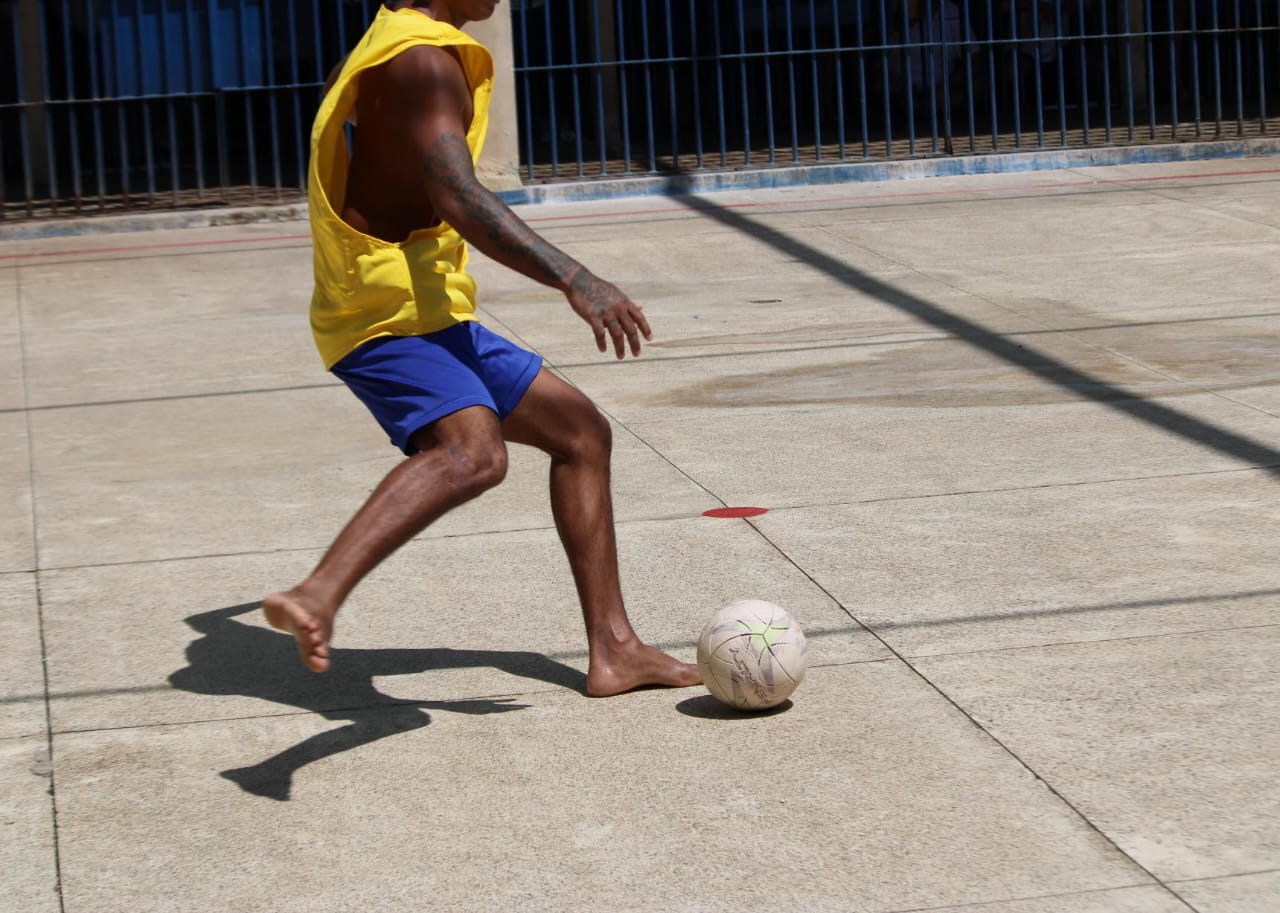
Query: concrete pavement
{"points": [[1019, 440]]}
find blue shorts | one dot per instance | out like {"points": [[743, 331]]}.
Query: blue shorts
{"points": [[408, 382]]}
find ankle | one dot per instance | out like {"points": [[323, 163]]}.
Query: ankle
{"points": [[613, 636], [317, 595]]}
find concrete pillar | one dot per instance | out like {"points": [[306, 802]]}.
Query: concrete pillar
{"points": [[499, 166], [33, 90]]}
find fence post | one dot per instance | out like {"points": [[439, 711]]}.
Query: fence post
{"points": [[34, 90], [499, 166], [1139, 74]]}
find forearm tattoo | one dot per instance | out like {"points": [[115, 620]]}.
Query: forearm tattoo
{"points": [[487, 222], [598, 293]]}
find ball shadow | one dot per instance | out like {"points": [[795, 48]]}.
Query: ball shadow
{"points": [[707, 707]]}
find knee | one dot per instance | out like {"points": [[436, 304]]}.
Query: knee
{"points": [[475, 467], [592, 440]]}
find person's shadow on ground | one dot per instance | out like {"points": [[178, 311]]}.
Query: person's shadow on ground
{"points": [[237, 658]]}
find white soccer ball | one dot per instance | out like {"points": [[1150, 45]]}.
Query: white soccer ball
{"points": [[752, 654]]}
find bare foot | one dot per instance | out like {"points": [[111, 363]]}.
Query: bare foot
{"points": [[623, 668], [310, 623]]}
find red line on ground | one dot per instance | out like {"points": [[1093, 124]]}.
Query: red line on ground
{"points": [[131, 248], [1047, 185]]}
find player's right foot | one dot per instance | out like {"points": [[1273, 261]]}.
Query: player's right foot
{"points": [[310, 623], [618, 669]]}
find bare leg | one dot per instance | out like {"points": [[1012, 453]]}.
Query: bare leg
{"points": [[556, 418], [461, 456]]}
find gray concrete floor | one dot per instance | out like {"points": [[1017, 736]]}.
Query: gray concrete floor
{"points": [[1019, 441]]}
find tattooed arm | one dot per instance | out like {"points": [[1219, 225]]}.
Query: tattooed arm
{"points": [[435, 104]]}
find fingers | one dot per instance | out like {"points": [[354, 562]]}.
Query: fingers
{"points": [[625, 329], [610, 314]]}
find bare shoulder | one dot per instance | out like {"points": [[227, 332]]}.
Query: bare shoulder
{"points": [[425, 68]]}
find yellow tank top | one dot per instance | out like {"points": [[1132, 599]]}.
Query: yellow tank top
{"points": [[365, 287]]}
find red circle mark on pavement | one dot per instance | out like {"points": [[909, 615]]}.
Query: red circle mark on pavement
{"points": [[735, 512]]}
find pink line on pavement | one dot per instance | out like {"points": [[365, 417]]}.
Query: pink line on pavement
{"points": [[132, 248], [1047, 185]]}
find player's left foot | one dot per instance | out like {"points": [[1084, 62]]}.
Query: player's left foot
{"points": [[309, 621], [626, 667]]}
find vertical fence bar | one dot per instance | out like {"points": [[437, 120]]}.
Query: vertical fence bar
{"points": [[991, 76], [671, 88], [121, 126], [554, 122], [598, 56], [1262, 72], [1059, 55], [73, 110], [273, 105], [695, 76], [791, 86], [15, 62], [322, 65], [647, 58], [904, 52], [884, 79], [1239, 24], [169, 88], [1217, 70], [96, 109], [746, 94], [1151, 68], [301, 139], [1173, 73], [813, 72], [526, 83], [1084, 71], [50, 135], [144, 104], [837, 41], [966, 32], [1127, 29], [1038, 72], [1195, 67], [148, 142], [250, 134], [576, 94], [623, 69], [1106, 70], [194, 83], [928, 66], [863, 97], [24, 142], [717, 45], [221, 127], [767, 59], [1016, 53], [946, 77]]}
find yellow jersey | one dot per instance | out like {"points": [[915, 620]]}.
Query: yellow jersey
{"points": [[366, 288]]}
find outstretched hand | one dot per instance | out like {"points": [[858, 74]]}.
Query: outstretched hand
{"points": [[610, 313]]}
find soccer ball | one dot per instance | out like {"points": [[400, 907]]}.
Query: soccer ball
{"points": [[752, 654]]}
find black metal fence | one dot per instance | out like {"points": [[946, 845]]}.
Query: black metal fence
{"points": [[111, 105], [654, 86]]}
